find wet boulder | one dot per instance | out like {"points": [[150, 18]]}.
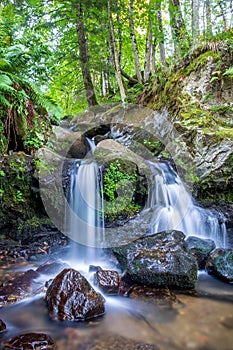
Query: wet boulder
{"points": [[66, 142], [108, 281], [158, 260], [220, 264], [2, 326], [32, 341], [71, 297], [51, 267], [200, 248]]}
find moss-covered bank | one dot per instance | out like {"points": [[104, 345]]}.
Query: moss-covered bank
{"points": [[198, 98]]}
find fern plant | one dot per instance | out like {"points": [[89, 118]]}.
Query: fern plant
{"points": [[22, 103]]}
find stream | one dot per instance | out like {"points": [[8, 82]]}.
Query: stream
{"points": [[201, 319]]}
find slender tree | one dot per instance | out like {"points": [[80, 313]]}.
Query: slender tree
{"points": [[195, 20], [84, 58], [179, 33], [208, 17], [134, 42], [116, 55], [161, 34]]}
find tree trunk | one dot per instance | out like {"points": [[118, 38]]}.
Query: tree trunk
{"points": [[195, 20], [208, 17], [134, 42], [179, 33], [119, 32], [161, 35], [153, 62], [84, 59], [116, 56], [148, 51], [221, 5]]}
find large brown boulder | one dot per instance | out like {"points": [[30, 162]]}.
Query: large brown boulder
{"points": [[71, 297]]}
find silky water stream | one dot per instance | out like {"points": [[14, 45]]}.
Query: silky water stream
{"points": [[199, 320]]}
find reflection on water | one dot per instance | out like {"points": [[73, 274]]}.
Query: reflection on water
{"points": [[200, 321]]}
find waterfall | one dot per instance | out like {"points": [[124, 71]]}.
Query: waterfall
{"points": [[86, 222], [173, 207]]}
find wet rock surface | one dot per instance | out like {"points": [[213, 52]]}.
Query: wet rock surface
{"points": [[200, 248], [108, 281], [52, 267], [37, 341], [158, 260], [31, 249], [17, 286], [2, 326], [220, 264], [71, 297], [20, 286]]}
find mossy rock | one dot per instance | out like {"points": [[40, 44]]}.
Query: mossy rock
{"points": [[20, 202], [124, 180]]}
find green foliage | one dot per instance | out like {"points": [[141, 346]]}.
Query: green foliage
{"points": [[154, 146], [15, 184], [119, 191], [22, 104], [228, 72]]}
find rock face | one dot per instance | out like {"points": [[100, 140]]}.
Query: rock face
{"points": [[200, 248], [108, 281], [71, 297], [158, 260], [33, 341], [68, 143], [220, 264]]}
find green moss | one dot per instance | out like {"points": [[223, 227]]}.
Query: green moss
{"points": [[200, 62], [16, 185], [3, 140]]}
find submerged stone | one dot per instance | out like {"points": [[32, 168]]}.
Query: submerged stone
{"points": [[220, 264], [37, 341], [162, 297], [158, 260], [108, 341], [71, 297], [200, 248], [108, 281]]}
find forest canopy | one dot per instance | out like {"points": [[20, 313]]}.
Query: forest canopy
{"points": [[58, 57]]}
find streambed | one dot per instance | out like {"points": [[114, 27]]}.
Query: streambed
{"points": [[200, 319]]}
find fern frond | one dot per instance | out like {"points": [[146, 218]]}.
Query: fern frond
{"points": [[5, 79], [4, 64], [3, 101]]}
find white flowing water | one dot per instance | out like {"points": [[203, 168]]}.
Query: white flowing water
{"points": [[86, 221], [173, 207]]}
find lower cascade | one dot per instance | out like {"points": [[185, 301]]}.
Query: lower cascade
{"points": [[174, 208]]}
